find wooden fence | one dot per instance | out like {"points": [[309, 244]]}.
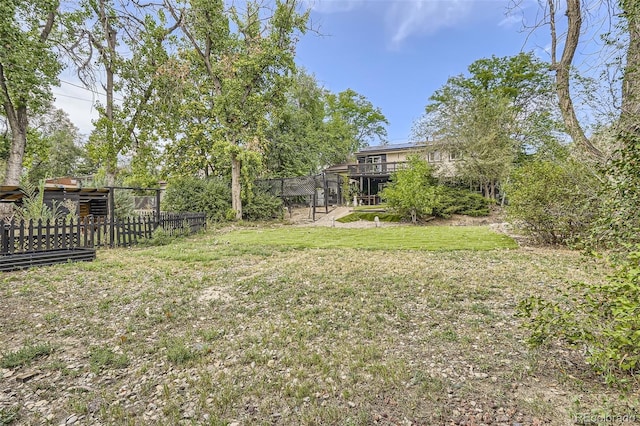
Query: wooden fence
{"points": [[37, 236]]}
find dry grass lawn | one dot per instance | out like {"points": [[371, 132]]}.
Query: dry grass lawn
{"points": [[208, 331]]}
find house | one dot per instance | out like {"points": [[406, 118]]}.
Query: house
{"points": [[374, 166]]}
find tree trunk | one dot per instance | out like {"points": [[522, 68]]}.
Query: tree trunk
{"points": [[562, 69], [18, 124], [236, 186], [106, 46], [630, 114]]}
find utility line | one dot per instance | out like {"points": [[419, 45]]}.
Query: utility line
{"points": [[73, 97], [88, 90]]}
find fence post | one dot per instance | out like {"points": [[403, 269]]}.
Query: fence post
{"points": [[90, 229], [5, 238], [158, 202], [326, 193], [64, 233], [40, 241], [112, 215], [47, 239], [314, 201]]}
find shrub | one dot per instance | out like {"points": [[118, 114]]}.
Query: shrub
{"points": [[160, 237], [262, 206], [210, 196], [124, 204], [618, 225], [555, 203], [34, 207], [412, 192], [603, 317], [461, 201]]}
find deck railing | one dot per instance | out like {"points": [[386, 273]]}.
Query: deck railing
{"points": [[376, 169]]}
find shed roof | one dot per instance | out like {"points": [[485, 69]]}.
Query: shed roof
{"points": [[12, 194]]}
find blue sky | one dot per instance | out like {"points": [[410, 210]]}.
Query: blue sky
{"points": [[394, 52], [397, 53]]}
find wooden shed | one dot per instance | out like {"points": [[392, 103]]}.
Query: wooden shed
{"points": [[88, 201]]}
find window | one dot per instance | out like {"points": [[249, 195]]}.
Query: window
{"points": [[455, 155], [434, 157], [375, 161]]}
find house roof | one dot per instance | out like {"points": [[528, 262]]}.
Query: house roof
{"points": [[391, 147]]}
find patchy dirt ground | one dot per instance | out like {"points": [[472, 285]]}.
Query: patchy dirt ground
{"points": [[303, 217], [208, 332]]}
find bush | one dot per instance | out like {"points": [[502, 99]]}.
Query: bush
{"points": [[555, 203], [124, 204], [618, 226], [262, 206], [412, 192], [210, 196], [461, 201], [603, 317]]}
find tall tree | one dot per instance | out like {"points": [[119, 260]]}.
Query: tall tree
{"points": [[482, 135], [501, 110], [571, 15], [317, 128], [297, 140], [55, 148], [245, 58], [620, 194], [28, 69], [128, 42], [562, 67], [630, 108], [363, 122]]}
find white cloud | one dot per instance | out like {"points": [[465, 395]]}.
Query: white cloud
{"points": [[510, 21], [407, 18]]}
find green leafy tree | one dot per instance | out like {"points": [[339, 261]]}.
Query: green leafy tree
{"points": [[106, 30], [297, 141], [28, 69], [354, 119], [482, 136], [493, 116], [241, 64], [316, 128], [55, 148], [412, 192]]}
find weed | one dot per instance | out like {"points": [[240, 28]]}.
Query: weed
{"points": [[25, 355], [9, 415], [178, 352], [101, 358]]}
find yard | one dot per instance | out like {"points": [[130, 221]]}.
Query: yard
{"points": [[295, 325]]}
